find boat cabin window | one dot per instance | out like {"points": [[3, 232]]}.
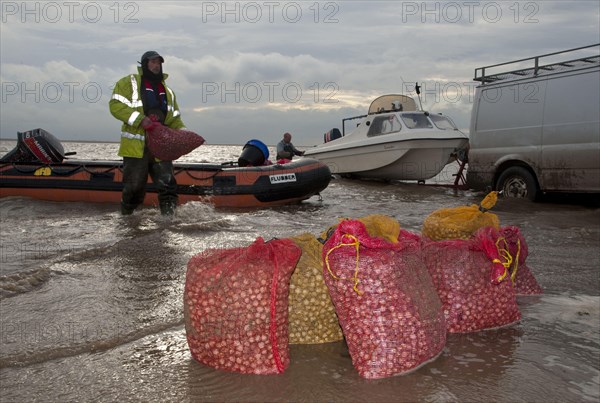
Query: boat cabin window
{"points": [[416, 121], [384, 125], [442, 122]]}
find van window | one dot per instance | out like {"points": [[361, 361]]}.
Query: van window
{"points": [[416, 121], [384, 125]]}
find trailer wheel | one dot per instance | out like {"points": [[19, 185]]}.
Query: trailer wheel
{"points": [[519, 183]]}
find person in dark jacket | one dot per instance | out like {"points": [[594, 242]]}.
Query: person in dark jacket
{"points": [[285, 148]]}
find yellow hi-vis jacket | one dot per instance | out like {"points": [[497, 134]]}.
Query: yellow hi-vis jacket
{"points": [[126, 105]]}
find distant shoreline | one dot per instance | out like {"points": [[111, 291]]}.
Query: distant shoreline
{"points": [[72, 141], [116, 142]]}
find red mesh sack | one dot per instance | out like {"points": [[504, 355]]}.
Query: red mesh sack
{"points": [[407, 236], [523, 279], [385, 300], [236, 306], [472, 281], [169, 144]]}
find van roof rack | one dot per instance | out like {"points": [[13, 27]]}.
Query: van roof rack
{"points": [[534, 67]]}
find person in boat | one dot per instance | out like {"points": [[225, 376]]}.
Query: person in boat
{"points": [[285, 148], [138, 100]]}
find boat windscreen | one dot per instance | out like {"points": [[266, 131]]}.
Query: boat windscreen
{"points": [[392, 102], [416, 121], [384, 125], [442, 122]]}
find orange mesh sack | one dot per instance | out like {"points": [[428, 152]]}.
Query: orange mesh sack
{"points": [[385, 300], [461, 222], [236, 306], [472, 281], [521, 275], [312, 316]]}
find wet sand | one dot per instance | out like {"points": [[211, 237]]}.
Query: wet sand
{"points": [[129, 343]]}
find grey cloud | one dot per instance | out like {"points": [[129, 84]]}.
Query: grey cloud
{"points": [[361, 49]]}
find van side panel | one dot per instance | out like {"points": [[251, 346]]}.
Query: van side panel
{"points": [[506, 125], [571, 133]]}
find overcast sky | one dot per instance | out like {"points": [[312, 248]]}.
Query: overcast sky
{"points": [[244, 70]]}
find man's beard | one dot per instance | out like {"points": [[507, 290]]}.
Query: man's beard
{"points": [[146, 73]]}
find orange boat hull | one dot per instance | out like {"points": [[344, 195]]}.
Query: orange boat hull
{"points": [[220, 185]]}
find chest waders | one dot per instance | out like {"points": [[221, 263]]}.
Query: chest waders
{"points": [[136, 170]]}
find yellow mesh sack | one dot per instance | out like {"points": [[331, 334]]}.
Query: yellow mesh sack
{"points": [[378, 225], [311, 314], [382, 226], [461, 222]]}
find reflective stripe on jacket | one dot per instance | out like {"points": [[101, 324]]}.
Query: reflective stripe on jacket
{"points": [[126, 105]]}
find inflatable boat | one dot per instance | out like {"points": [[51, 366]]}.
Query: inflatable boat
{"points": [[36, 168]]}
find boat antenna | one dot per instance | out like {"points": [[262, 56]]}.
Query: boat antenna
{"points": [[418, 89]]}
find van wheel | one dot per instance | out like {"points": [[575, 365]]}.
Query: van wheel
{"points": [[519, 183]]}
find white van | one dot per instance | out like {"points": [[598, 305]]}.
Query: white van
{"points": [[535, 125]]}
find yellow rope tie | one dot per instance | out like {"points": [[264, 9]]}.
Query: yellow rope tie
{"points": [[508, 259], [513, 275], [354, 278]]}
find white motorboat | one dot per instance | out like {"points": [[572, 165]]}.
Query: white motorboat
{"points": [[394, 141]]}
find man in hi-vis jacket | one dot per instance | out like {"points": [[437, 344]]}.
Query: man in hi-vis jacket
{"points": [[137, 101]]}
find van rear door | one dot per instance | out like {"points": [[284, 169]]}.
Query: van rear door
{"points": [[571, 133], [508, 125]]}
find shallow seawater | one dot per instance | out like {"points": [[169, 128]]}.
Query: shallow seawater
{"points": [[91, 302]]}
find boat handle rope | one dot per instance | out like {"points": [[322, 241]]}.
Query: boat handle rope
{"points": [[65, 173], [21, 171], [33, 170], [114, 167], [177, 172]]}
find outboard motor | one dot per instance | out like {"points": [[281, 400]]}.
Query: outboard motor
{"points": [[254, 153], [36, 146], [332, 135]]}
